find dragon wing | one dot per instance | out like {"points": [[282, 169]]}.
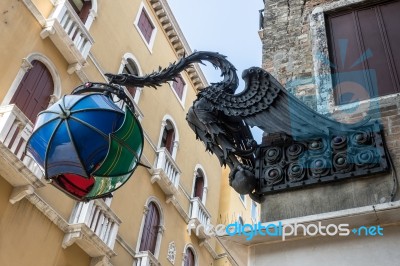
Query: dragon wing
{"points": [[265, 103]]}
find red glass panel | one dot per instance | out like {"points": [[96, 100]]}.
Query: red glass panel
{"points": [[76, 185]]}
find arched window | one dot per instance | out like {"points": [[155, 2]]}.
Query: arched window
{"points": [[34, 90], [131, 68], [190, 258], [151, 229], [168, 137], [199, 185], [82, 8]]}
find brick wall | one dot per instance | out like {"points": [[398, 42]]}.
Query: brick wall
{"points": [[289, 54], [287, 46]]}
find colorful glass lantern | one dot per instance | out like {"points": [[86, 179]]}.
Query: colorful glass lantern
{"points": [[85, 144]]}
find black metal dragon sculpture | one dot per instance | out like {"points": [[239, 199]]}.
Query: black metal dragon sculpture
{"points": [[222, 119]]}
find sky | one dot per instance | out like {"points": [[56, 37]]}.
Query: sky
{"points": [[229, 27]]}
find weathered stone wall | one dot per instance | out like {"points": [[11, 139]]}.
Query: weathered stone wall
{"points": [[289, 53]]}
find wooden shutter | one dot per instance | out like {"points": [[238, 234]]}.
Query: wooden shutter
{"points": [[189, 257], [168, 138], [150, 229], [179, 85], [33, 93], [82, 8], [199, 186], [364, 47], [169, 144], [145, 26]]}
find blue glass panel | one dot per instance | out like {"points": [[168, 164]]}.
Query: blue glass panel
{"points": [[70, 100], [104, 120], [44, 118], [91, 145], [96, 101], [62, 155], [39, 141]]}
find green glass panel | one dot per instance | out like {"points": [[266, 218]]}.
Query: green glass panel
{"points": [[105, 185], [125, 149]]}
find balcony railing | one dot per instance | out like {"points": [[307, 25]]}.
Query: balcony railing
{"points": [[145, 258], [15, 129], [94, 227], [166, 172], [199, 216], [69, 35]]}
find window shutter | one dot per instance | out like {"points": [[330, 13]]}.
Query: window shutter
{"points": [[199, 186], [364, 47], [145, 26], [150, 229], [189, 257], [34, 90], [179, 85]]}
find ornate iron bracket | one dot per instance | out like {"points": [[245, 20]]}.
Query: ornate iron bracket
{"points": [[302, 147], [288, 164]]}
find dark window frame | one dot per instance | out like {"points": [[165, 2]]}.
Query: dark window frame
{"points": [[378, 73], [199, 182], [190, 257], [168, 137], [151, 227], [179, 85], [34, 90], [145, 26], [83, 11]]}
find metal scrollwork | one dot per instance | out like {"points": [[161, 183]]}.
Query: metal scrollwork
{"points": [[273, 175], [296, 172], [294, 151], [273, 155]]}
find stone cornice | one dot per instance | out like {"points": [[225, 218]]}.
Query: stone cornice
{"points": [[177, 39]]}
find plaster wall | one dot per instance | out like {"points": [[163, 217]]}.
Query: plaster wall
{"points": [[331, 251], [27, 234]]}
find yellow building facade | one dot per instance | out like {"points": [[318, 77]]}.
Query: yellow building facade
{"points": [[59, 45]]}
